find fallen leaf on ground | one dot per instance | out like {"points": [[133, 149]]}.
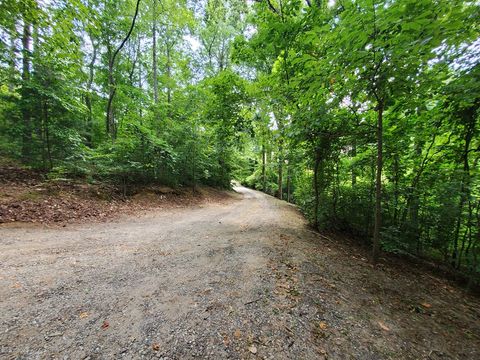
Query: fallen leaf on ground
{"points": [[426, 305], [237, 334], [253, 349], [156, 346], [83, 315], [105, 325], [383, 326], [323, 325], [226, 340]]}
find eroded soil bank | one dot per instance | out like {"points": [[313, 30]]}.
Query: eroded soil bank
{"points": [[28, 196]]}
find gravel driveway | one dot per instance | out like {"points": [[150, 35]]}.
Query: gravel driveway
{"points": [[241, 279]]}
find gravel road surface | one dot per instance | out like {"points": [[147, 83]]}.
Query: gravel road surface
{"points": [[240, 279]]}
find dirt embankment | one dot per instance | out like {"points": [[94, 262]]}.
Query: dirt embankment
{"points": [[26, 196]]}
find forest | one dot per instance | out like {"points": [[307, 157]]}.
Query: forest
{"points": [[363, 113]]}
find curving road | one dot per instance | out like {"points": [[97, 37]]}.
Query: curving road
{"points": [[242, 279]]}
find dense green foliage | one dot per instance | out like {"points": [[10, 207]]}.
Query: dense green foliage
{"points": [[82, 97], [364, 113], [376, 107]]}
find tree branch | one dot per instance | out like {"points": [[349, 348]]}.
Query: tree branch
{"points": [[270, 5], [111, 80], [128, 34]]}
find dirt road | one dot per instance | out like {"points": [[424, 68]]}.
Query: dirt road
{"points": [[241, 279]]}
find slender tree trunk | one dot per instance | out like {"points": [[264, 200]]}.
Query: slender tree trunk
{"points": [[26, 115], [335, 191], [471, 225], [473, 249], [470, 117], [279, 120], [378, 186], [11, 82], [396, 192], [413, 229], [140, 85], [316, 187], [288, 182], [280, 174], [88, 97], [465, 236], [47, 133], [354, 154], [154, 53], [43, 137], [35, 96], [472, 208], [194, 157], [412, 193], [371, 198], [264, 172], [169, 76], [110, 121]]}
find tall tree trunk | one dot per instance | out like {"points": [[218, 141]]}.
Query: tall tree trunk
{"points": [[43, 137], [396, 191], [289, 182], [413, 232], [12, 49], [88, 97], [412, 193], [169, 77], [335, 191], [280, 173], [471, 225], [154, 53], [353, 155], [47, 133], [316, 189], [26, 115], [194, 158], [280, 124], [140, 85], [110, 120], [470, 117], [473, 278], [378, 185], [371, 199], [264, 172]]}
